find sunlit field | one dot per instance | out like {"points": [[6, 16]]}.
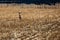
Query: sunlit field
{"points": [[38, 22]]}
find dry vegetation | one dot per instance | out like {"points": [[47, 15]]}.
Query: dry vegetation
{"points": [[37, 23]]}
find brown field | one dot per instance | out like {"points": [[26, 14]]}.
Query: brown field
{"points": [[36, 23]]}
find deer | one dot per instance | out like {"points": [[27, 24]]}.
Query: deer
{"points": [[19, 15]]}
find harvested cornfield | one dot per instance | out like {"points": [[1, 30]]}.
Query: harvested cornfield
{"points": [[35, 23]]}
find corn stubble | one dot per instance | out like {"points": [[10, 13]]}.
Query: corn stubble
{"points": [[36, 28]]}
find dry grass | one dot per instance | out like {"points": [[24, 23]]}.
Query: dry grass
{"points": [[36, 24]]}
